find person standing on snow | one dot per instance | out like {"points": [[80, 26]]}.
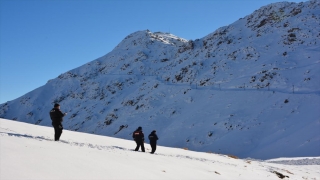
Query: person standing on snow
{"points": [[138, 137], [57, 117], [153, 141]]}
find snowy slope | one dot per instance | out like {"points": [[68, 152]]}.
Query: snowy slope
{"points": [[28, 152], [250, 89]]}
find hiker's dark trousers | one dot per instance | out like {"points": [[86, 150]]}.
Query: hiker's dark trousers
{"points": [[57, 130], [153, 147], [140, 143]]}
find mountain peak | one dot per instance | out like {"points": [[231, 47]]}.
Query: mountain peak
{"points": [[146, 38]]}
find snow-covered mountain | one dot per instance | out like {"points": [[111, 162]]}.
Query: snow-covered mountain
{"points": [[250, 89], [29, 152]]}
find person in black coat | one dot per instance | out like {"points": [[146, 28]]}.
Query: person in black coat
{"points": [[57, 117], [138, 137], [153, 141]]}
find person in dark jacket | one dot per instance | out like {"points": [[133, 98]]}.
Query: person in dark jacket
{"points": [[57, 117], [153, 141], [138, 137]]}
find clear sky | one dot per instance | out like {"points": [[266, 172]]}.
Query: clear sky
{"points": [[41, 39]]}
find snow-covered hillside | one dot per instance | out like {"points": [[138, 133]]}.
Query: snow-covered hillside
{"points": [[28, 152], [250, 89]]}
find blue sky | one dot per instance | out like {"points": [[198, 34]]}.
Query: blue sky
{"points": [[41, 39]]}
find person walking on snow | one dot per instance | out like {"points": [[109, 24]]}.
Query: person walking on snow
{"points": [[57, 117], [138, 137], [153, 141]]}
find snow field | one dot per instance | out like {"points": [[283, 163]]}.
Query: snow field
{"points": [[28, 152]]}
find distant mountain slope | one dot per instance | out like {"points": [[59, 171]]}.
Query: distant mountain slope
{"points": [[250, 89]]}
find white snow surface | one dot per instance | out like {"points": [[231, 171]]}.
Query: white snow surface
{"points": [[29, 152], [250, 89]]}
